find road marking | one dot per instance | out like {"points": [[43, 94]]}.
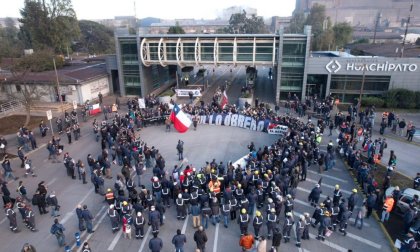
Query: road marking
{"points": [[330, 244], [326, 185], [184, 227], [51, 182], [145, 239], [2, 221], [353, 236], [365, 241], [115, 240], [309, 205], [94, 228], [328, 176], [216, 238], [70, 214]]}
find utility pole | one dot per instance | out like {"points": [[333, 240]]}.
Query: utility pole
{"points": [[378, 17], [58, 82], [361, 88], [406, 28]]}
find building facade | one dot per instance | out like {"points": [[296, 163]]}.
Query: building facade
{"points": [[145, 62]]}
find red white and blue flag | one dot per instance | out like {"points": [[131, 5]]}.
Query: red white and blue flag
{"points": [[224, 100], [180, 119]]}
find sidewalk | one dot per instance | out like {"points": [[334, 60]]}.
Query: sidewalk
{"points": [[12, 143]]}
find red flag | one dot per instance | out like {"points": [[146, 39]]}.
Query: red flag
{"points": [[224, 100]]}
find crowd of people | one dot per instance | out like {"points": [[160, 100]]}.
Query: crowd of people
{"points": [[220, 192]]}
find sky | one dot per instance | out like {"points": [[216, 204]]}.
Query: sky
{"points": [[165, 9]]}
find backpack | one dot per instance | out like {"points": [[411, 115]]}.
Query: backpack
{"points": [[35, 200]]}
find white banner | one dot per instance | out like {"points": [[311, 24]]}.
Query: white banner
{"points": [[277, 129], [185, 92], [49, 114], [142, 104]]}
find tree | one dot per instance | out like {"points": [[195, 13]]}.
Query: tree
{"points": [[176, 29], [10, 45], [297, 23], [343, 33], [49, 24], [95, 38], [317, 19], [239, 23], [21, 70]]}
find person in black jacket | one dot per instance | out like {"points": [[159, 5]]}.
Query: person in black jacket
{"points": [[155, 244], [277, 236], [39, 200], [200, 238]]}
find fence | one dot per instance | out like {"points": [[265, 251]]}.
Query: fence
{"points": [[9, 107]]}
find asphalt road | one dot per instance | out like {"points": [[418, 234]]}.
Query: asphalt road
{"points": [[208, 142]]}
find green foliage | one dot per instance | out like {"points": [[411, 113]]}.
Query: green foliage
{"points": [[418, 99], [239, 23], [297, 23], [95, 38], [343, 33], [48, 24], [362, 41], [402, 98], [176, 29], [325, 35], [37, 62], [10, 45], [316, 19], [373, 101]]}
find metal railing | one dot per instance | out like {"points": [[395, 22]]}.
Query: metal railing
{"points": [[10, 106]]}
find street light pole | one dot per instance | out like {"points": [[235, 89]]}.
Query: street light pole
{"points": [[361, 88]]}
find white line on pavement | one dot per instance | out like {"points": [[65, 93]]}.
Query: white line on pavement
{"points": [[94, 228], [51, 181], [115, 240], [328, 176], [326, 185], [145, 239], [330, 244], [2, 221], [365, 241], [184, 227], [309, 205], [70, 214], [216, 238], [353, 236]]}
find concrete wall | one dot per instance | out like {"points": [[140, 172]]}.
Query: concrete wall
{"points": [[90, 90]]}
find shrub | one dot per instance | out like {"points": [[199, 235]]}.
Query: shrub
{"points": [[391, 99], [167, 92], [373, 101], [418, 99], [401, 98]]}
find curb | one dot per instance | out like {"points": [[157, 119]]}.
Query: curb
{"points": [[375, 215], [399, 139]]}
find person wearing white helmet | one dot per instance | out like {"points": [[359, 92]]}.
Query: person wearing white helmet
{"points": [[113, 216], [180, 208], [271, 221], [287, 226], [308, 222], [139, 225], [300, 226], [289, 204]]}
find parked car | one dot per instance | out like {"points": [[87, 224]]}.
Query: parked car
{"points": [[405, 199]]}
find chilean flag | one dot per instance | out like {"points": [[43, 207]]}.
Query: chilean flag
{"points": [[96, 108], [180, 120], [224, 100]]}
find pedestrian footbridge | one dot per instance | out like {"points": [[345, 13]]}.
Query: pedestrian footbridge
{"points": [[198, 49]]}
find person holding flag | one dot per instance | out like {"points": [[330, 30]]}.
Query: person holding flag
{"points": [[224, 101], [179, 119]]}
